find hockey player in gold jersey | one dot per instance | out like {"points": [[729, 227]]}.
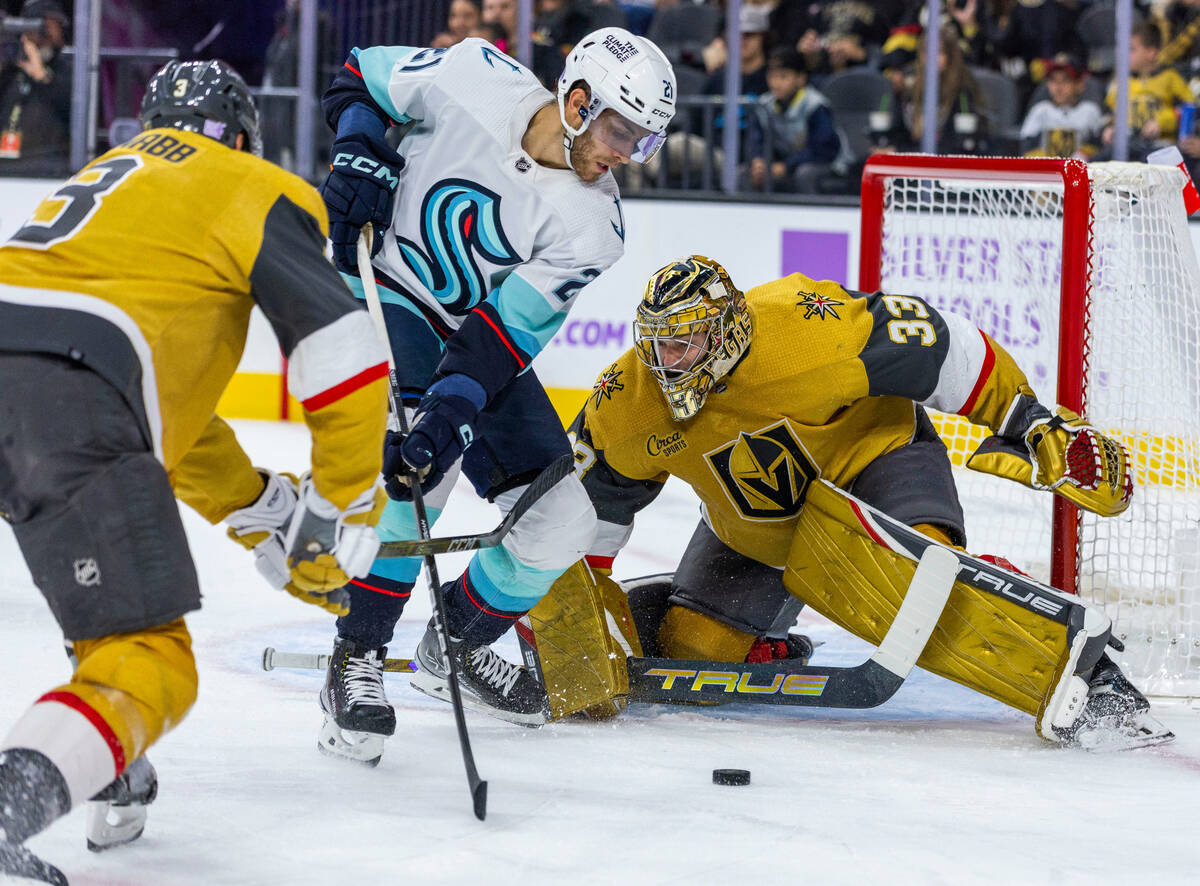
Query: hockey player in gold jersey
{"points": [[772, 405], [124, 305]]}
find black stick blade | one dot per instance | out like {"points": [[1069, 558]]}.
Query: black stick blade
{"points": [[479, 795]]}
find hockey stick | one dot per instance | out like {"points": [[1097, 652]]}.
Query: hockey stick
{"points": [[676, 681], [419, 547], [400, 421], [863, 686], [272, 658]]}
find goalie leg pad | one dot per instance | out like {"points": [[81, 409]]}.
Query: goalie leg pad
{"points": [[583, 632], [982, 640]]}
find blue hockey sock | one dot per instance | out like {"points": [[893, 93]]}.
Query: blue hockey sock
{"points": [[376, 603]]}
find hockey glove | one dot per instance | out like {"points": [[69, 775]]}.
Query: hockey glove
{"points": [[326, 547], [1063, 454], [261, 526], [360, 187], [443, 427]]}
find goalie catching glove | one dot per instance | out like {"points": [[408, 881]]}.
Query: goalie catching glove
{"points": [[1064, 454], [303, 543]]}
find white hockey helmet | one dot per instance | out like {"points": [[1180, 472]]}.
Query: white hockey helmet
{"points": [[628, 74]]}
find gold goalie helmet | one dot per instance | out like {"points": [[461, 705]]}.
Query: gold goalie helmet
{"points": [[692, 327]]}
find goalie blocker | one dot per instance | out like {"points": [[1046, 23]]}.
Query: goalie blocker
{"points": [[991, 629]]}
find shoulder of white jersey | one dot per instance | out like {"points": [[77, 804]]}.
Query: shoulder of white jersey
{"points": [[593, 219], [469, 73]]}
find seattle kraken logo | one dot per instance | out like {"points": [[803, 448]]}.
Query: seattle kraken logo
{"points": [[459, 218]]}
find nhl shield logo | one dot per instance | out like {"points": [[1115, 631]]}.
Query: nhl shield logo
{"points": [[765, 473], [87, 572]]}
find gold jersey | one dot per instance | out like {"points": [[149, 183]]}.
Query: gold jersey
{"points": [[827, 385], [145, 266]]}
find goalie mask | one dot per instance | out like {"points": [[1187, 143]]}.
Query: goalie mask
{"points": [[692, 327]]}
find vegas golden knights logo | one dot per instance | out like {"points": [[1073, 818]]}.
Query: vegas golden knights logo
{"points": [[766, 473]]}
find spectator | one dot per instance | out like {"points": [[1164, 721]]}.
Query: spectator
{"points": [[799, 147], [464, 16], [1065, 124], [557, 26], [35, 97], [502, 13], [961, 129], [753, 25], [1154, 95], [493, 32], [848, 34], [970, 20], [1180, 26], [1035, 30]]}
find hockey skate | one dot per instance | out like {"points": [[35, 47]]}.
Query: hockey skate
{"points": [[1115, 717], [486, 681], [357, 714], [117, 815]]}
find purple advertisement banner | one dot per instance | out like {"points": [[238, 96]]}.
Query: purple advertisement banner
{"points": [[821, 255]]}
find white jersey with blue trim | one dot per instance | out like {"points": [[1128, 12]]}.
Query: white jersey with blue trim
{"points": [[476, 218]]}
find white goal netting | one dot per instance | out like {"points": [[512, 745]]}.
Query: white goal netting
{"points": [[994, 251]]}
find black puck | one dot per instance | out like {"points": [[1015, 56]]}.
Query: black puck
{"points": [[731, 776]]}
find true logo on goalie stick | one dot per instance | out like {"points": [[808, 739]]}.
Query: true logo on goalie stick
{"points": [[819, 305], [765, 473], [606, 385], [739, 682]]}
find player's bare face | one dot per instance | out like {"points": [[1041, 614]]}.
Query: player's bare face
{"points": [[607, 143]]}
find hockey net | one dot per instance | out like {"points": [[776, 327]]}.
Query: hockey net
{"points": [[1088, 276]]}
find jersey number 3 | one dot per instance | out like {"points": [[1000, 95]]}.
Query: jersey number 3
{"points": [[60, 216]]}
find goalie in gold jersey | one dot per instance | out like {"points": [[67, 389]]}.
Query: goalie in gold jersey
{"points": [[124, 305], [770, 404]]}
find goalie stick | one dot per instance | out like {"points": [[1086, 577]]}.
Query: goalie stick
{"points": [[676, 681], [400, 422]]}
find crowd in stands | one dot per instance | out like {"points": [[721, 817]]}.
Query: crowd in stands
{"points": [[825, 83], [35, 92]]}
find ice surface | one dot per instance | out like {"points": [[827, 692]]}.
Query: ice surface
{"points": [[939, 785]]}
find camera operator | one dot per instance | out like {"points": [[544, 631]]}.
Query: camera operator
{"points": [[35, 92]]}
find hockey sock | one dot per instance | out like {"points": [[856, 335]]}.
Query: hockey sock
{"points": [[376, 603], [469, 617], [33, 793]]}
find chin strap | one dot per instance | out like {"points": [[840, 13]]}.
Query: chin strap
{"points": [[570, 133]]}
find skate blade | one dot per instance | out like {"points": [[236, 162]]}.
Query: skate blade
{"points": [[359, 747], [435, 687], [1142, 731], [110, 826]]}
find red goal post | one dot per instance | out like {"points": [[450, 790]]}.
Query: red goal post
{"points": [[1076, 222]]}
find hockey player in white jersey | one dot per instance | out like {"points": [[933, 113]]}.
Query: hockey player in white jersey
{"points": [[497, 209]]}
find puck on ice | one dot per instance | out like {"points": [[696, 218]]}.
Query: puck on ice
{"points": [[731, 776]]}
